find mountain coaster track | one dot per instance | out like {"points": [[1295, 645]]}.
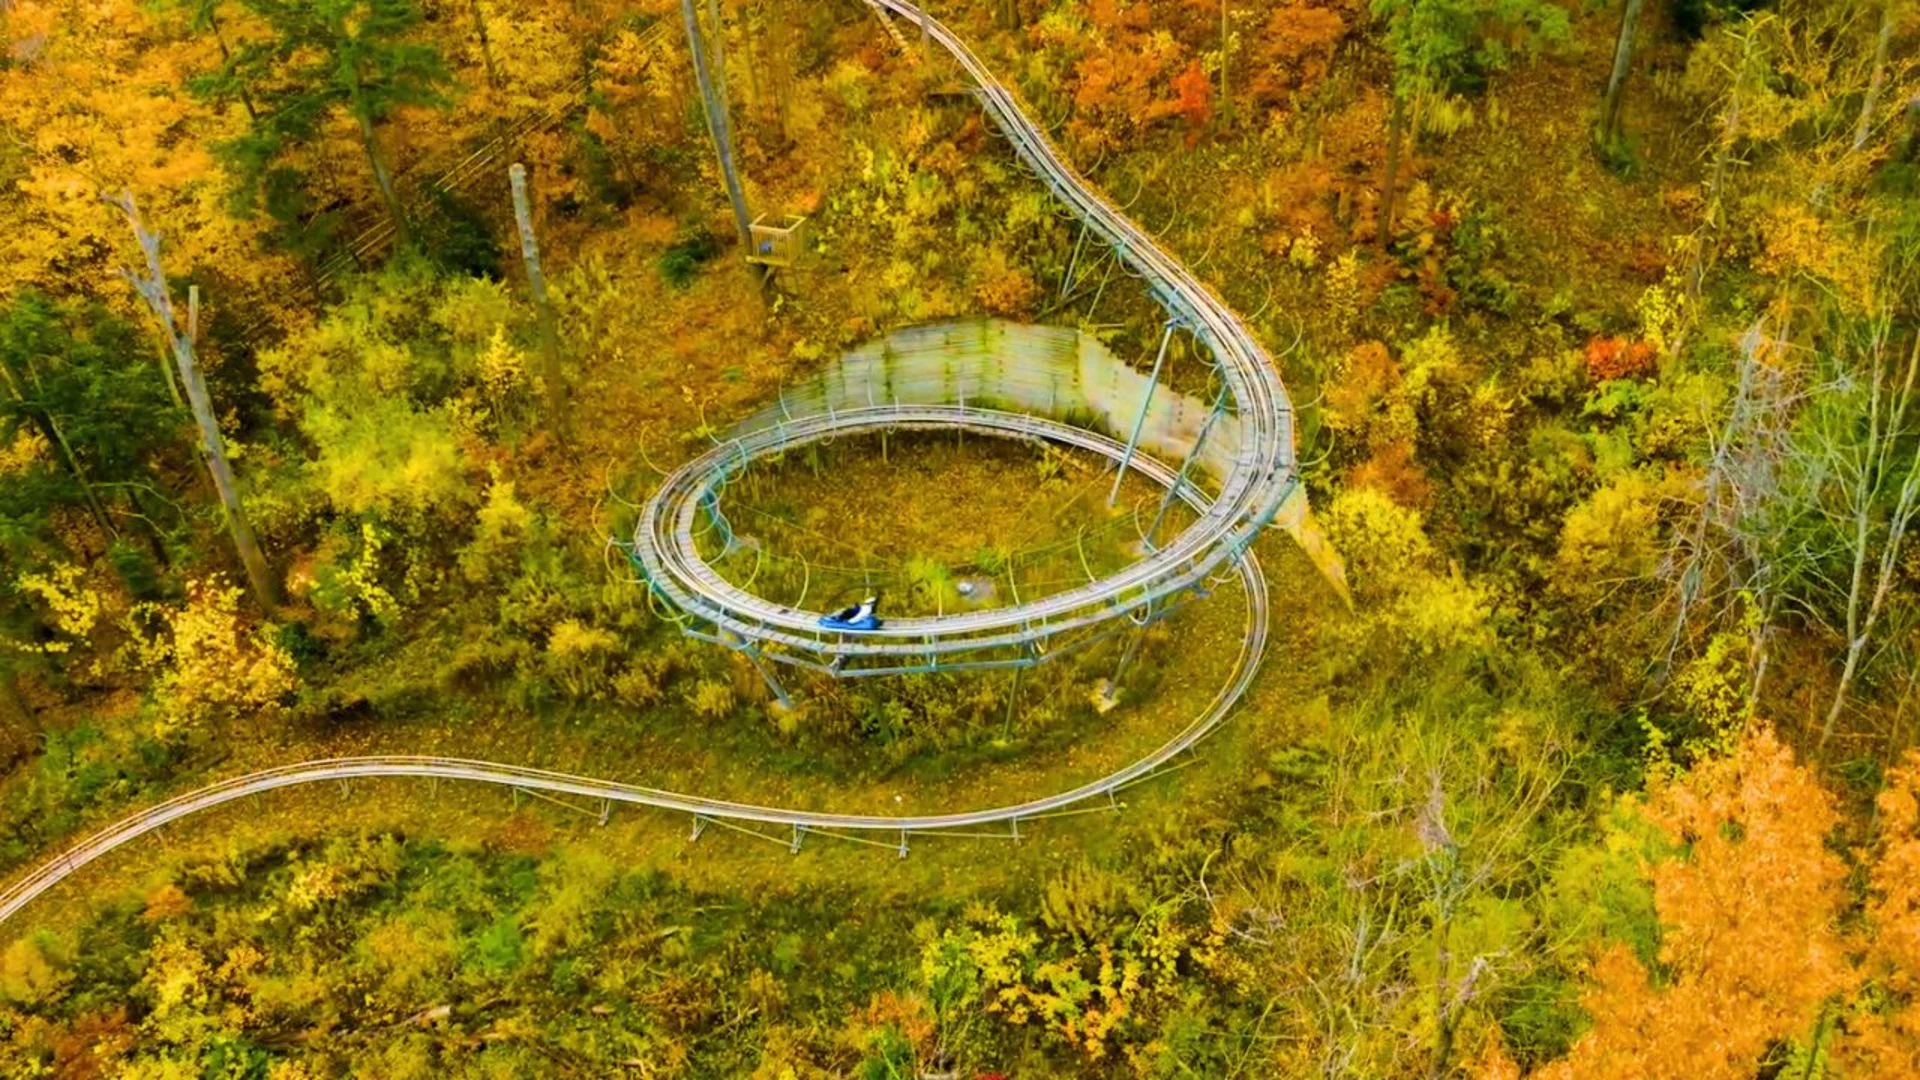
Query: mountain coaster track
{"points": [[1261, 477]]}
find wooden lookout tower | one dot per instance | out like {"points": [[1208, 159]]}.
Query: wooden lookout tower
{"points": [[777, 246]]}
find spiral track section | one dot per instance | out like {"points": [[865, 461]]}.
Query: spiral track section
{"points": [[1259, 479]]}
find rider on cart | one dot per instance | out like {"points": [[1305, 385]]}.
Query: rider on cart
{"points": [[858, 616]]}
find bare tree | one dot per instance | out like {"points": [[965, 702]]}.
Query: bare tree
{"points": [[1876, 488], [152, 287], [1617, 81], [1730, 546], [718, 124], [1396, 931], [486, 45], [543, 307], [1396, 124], [1877, 81], [1810, 492]]}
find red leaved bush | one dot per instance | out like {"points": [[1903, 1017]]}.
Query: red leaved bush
{"points": [[1618, 358]]}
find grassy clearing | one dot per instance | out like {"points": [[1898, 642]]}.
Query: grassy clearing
{"points": [[932, 523]]}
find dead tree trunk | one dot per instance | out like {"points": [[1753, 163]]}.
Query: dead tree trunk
{"points": [[1396, 121], [1617, 81], [486, 46], [780, 66], [718, 126], [152, 287], [755, 39], [166, 374], [1226, 47], [226, 57], [382, 177], [1878, 82], [543, 307], [717, 35]]}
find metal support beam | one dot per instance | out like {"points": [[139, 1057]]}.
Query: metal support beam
{"points": [[1173, 489], [1066, 282], [773, 684], [699, 826], [903, 843], [798, 832], [1102, 290], [1126, 654], [1140, 420], [1013, 702]]}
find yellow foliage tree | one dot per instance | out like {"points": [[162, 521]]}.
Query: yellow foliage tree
{"points": [[209, 663], [72, 606], [94, 100], [27, 974], [1395, 569]]}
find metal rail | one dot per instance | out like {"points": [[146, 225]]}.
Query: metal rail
{"points": [[54, 870], [693, 488], [1253, 647]]}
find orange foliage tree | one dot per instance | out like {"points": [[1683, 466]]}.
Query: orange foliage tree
{"points": [[1880, 1037], [1193, 98], [1296, 47], [1750, 952], [1121, 81], [1618, 358], [1765, 962]]}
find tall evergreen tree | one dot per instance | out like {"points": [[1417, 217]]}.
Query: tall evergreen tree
{"points": [[76, 376], [321, 58], [1440, 47]]}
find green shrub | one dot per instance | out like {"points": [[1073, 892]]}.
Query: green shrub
{"points": [[458, 239], [684, 257]]}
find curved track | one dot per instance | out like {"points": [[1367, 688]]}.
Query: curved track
{"points": [[1254, 641], [1261, 477]]}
